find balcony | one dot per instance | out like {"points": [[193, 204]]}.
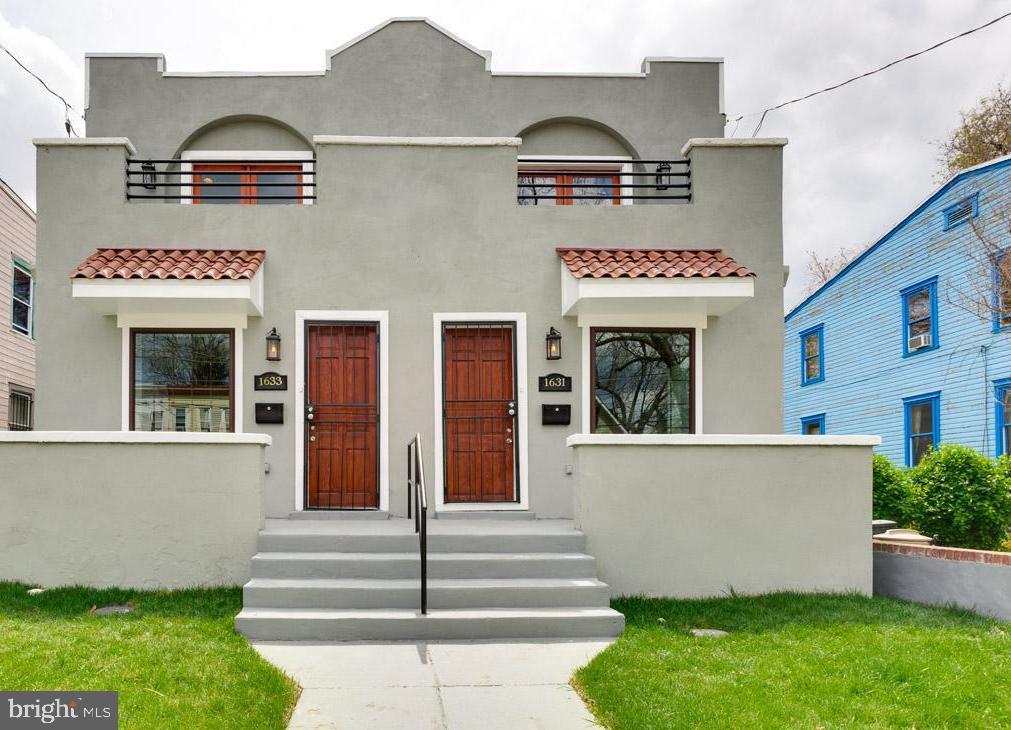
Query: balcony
{"points": [[602, 181], [214, 179]]}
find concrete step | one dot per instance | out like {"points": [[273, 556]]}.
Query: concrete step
{"points": [[407, 565], [299, 624], [492, 514], [442, 593], [294, 540], [351, 514]]}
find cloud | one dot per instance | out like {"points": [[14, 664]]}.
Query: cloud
{"points": [[859, 158], [27, 110]]}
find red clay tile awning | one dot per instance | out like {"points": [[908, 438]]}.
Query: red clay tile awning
{"points": [[169, 263], [651, 263]]}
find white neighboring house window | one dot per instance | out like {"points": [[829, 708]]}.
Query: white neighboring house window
{"points": [[21, 409], [23, 299]]}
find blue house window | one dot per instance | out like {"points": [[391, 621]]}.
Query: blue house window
{"points": [[922, 425], [1002, 414], [1002, 290], [812, 355], [813, 425], [919, 318], [961, 212]]}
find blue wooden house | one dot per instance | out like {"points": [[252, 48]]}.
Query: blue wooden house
{"points": [[912, 340]]}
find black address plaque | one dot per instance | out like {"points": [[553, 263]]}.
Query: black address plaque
{"points": [[554, 383], [270, 381]]}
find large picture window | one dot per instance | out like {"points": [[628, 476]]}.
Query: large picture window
{"points": [[182, 380], [643, 380]]}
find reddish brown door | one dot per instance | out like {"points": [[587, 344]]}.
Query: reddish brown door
{"points": [[479, 412], [342, 416]]}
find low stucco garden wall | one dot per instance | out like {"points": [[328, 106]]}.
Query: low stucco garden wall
{"points": [[979, 580], [129, 509], [692, 516]]}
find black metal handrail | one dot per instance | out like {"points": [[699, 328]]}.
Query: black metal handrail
{"points": [[666, 176], [416, 496], [146, 178]]}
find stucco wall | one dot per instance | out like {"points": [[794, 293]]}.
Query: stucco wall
{"points": [[974, 579], [17, 351], [700, 516], [155, 514], [412, 230], [406, 79]]}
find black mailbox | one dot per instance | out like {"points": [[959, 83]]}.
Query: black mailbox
{"points": [[270, 412], [560, 415]]}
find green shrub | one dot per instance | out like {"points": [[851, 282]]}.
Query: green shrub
{"points": [[891, 492], [962, 497]]}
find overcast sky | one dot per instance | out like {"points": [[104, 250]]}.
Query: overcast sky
{"points": [[859, 158]]}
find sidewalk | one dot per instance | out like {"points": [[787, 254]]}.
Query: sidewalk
{"points": [[420, 685]]}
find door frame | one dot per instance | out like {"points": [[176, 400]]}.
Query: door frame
{"points": [[338, 316], [519, 321]]}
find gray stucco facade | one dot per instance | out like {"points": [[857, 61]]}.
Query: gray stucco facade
{"points": [[411, 228]]}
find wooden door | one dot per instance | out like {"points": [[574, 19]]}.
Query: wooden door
{"points": [[342, 416], [479, 412]]}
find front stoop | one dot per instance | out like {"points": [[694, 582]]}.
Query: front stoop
{"points": [[333, 580]]}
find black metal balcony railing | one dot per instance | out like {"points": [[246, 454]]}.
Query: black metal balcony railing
{"points": [[249, 181], [577, 182]]}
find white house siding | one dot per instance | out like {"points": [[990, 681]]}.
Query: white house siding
{"points": [[866, 375], [17, 351]]}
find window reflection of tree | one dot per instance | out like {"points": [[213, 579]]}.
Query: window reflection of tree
{"points": [[642, 382], [194, 360]]}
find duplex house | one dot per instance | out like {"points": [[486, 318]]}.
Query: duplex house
{"points": [[911, 340], [559, 296], [17, 303]]}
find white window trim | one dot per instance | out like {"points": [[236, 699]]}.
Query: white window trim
{"points": [[620, 164], [337, 315], [186, 168], [522, 420], [587, 395], [16, 265], [237, 371]]}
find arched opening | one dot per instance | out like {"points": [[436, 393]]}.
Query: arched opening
{"points": [[573, 161], [245, 159], [245, 133]]}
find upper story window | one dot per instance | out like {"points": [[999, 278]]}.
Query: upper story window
{"points": [[259, 183], [961, 212], [569, 187], [22, 299], [813, 425], [812, 355], [922, 417], [1002, 290], [919, 317]]}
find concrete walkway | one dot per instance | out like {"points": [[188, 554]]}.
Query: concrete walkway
{"points": [[420, 685]]}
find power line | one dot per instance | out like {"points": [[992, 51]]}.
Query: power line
{"points": [[764, 112], [66, 105]]}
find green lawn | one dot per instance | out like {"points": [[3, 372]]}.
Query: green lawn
{"points": [[801, 661], [176, 660]]}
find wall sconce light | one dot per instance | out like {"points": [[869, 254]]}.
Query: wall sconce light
{"points": [[663, 175], [147, 175], [273, 345], [553, 343]]}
